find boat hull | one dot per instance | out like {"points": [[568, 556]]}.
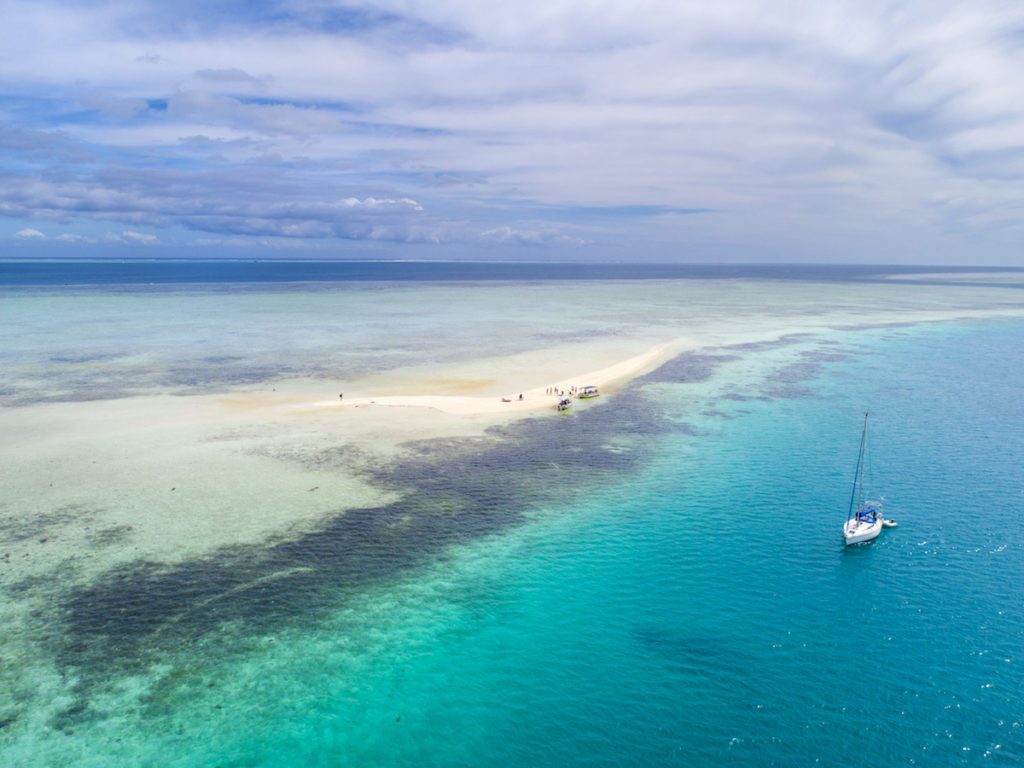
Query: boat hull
{"points": [[856, 531]]}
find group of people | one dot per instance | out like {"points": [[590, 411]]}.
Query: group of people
{"points": [[560, 392]]}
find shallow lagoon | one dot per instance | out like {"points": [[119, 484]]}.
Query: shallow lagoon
{"points": [[591, 588]]}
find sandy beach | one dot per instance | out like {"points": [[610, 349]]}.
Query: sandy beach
{"points": [[532, 398]]}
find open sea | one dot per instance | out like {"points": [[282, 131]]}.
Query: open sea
{"points": [[656, 579]]}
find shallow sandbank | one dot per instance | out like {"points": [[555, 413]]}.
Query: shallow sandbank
{"points": [[992, 278], [94, 483], [512, 400]]}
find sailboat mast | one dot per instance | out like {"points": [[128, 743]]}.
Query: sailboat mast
{"points": [[856, 474]]}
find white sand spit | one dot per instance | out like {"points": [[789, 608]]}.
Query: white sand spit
{"points": [[541, 396]]}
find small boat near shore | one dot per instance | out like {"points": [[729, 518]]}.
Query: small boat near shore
{"points": [[589, 391], [564, 403]]}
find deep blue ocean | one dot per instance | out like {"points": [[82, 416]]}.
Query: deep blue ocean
{"points": [[774, 644], [15, 272], [657, 580]]}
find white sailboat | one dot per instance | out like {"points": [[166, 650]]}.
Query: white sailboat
{"points": [[866, 524]]}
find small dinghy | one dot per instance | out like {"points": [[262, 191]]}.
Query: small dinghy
{"points": [[889, 524]]}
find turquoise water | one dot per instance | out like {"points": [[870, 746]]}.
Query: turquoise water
{"points": [[658, 579], [706, 612]]}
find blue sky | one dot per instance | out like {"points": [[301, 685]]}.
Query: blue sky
{"points": [[656, 130]]}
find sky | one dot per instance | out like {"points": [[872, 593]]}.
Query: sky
{"points": [[651, 131]]}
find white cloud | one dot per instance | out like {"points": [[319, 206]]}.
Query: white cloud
{"points": [[530, 236], [133, 238], [229, 75], [139, 237], [371, 203], [819, 117], [111, 105], [29, 234], [202, 108]]}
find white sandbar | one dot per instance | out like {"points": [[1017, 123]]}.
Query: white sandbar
{"points": [[542, 395]]}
